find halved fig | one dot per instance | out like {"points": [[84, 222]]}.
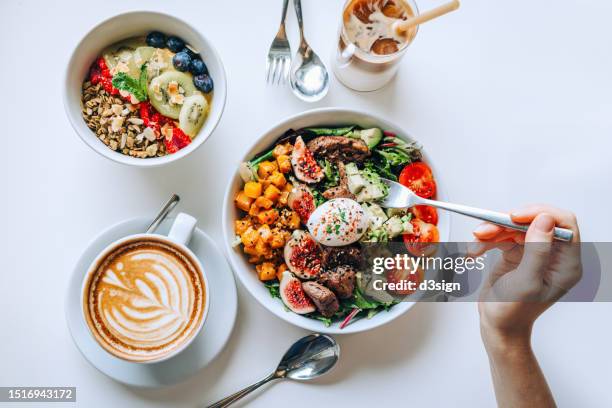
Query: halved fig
{"points": [[293, 295], [303, 255], [301, 201], [304, 164]]}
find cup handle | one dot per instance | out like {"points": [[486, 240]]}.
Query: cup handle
{"points": [[182, 228], [346, 55]]}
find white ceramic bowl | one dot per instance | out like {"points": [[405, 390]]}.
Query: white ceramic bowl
{"points": [[246, 272], [119, 28]]}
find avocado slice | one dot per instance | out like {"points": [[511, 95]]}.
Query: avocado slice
{"points": [[371, 137]]}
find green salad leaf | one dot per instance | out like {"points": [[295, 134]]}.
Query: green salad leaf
{"points": [[273, 288], [332, 176], [331, 131]]}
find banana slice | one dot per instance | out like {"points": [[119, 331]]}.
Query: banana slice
{"points": [[168, 91], [160, 61], [121, 55], [193, 114]]}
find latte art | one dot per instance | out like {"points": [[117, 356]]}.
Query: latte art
{"points": [[144, 299]]}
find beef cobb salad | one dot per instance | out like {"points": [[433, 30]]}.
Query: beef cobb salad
{"points": [[309, 208]]}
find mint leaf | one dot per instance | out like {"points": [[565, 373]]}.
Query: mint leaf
{"points": [[124, 82]]}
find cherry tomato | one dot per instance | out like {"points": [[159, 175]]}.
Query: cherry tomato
{"points": [[398, 275], [419, 178], [423, 235], [426, 213]]}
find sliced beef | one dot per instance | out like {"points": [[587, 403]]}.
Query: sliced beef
{"points": [[323, 298], [339, 148], [341, 280], [341, 190], [346, 255]]}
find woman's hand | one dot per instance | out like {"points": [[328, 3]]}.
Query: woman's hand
{"points": [[532, 274]]}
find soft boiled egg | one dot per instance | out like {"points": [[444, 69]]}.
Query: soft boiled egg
{"points": [[338, 222]]}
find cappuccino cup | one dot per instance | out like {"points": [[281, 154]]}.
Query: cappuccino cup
{"points": [[145, 297]]}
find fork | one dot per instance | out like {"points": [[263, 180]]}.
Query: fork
{"points": [[278, 63], [401, 196]]}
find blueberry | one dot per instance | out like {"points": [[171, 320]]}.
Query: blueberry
{"points": [[156, 39], [192, 54], [203, 82], [175, 44], [198, 67], [181, 61]]}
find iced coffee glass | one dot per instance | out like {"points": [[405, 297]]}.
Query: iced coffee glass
{"points": [[369, 49]]}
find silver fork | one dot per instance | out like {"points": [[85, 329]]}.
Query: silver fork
{"points": [[278, 63], [401, 196]]}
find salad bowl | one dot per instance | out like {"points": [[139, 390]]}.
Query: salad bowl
{"points": [[324, 117]]}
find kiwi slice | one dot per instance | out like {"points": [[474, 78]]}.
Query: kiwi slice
{"points": [[193, 114], [160, 97]]}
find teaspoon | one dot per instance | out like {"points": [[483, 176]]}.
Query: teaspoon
{"points": [[163, 213], [308, 358], [309, 78]]}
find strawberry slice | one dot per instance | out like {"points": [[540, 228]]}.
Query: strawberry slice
{"points": [[178, 140]]}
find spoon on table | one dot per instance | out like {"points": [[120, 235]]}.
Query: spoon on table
{"points": [[309, 78], [401, 196], [308, 358], [163, 213]]}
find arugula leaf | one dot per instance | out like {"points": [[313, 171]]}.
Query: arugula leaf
{"points": [[138, 88], [332, 176], [318, 197], [361, 302], [326, 320], [273, 288], [381, 166]]}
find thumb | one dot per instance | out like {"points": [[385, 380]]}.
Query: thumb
{"points": [[536, 255]]}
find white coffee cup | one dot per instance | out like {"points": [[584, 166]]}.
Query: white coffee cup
{"points": [[177, 239]]}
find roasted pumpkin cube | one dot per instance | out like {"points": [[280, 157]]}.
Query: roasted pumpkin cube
{"points": [[250, 250], [266, 271], [268, 217], [255, 259], [240, 226], [262, 248], [288, 187], [283, 199], [252, 189], [293, 221], [263, 202], [278, 179], [243, 201], [272, 193], [284, 163], [254, 210], [266, 168], [265, 233], [277, 240], [282, 150], [249, 237], [279, 271]]}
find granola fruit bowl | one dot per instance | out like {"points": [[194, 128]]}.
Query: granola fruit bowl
{"points": [[144, 89], [261, 280]]}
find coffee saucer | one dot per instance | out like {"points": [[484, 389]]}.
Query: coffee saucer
{"points": [[204, 348]]}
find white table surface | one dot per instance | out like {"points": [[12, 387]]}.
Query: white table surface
{"points": [[511, 99]]}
